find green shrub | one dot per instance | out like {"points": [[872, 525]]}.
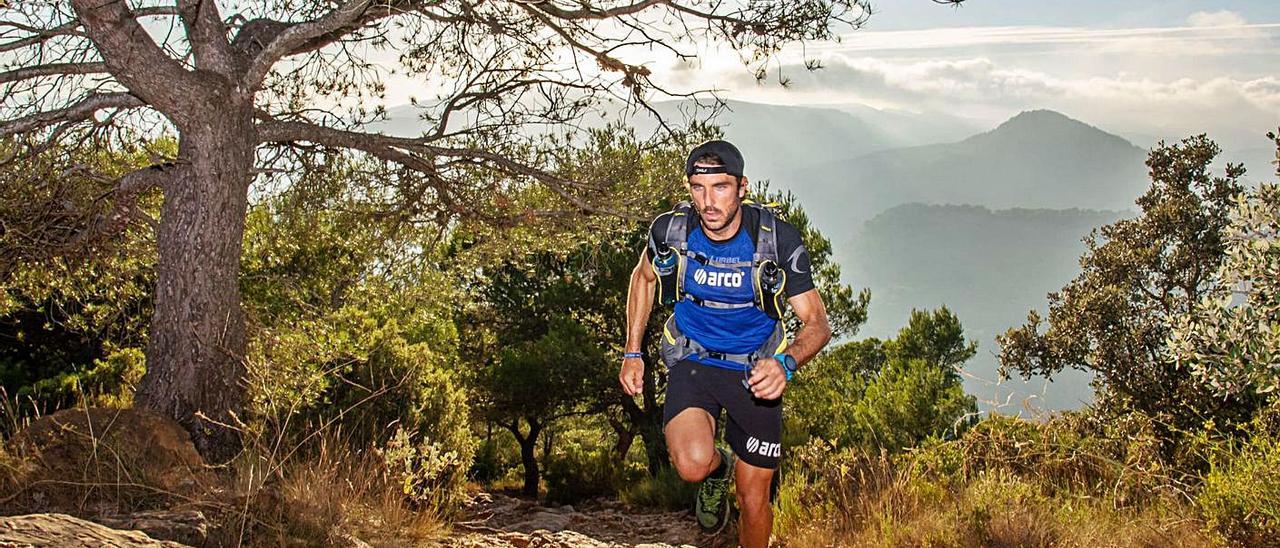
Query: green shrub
{"points": [[430, 476], [1240, 499], [576, 473], [106, 382], [666, 491], [494, 459]]}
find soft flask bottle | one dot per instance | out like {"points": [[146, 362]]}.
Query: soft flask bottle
{"points": [[664, 264]]}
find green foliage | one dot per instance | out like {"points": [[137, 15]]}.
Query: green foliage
{"points": [[820, 404], [1231, 338], [887, 395], [432, 474], [66, 299], [494, 459], [352, 321], [547, 376], [106, 382], [575, 473], [908, 402], [1240, 499], [642, 177], [665, 490], [1138, 275]]}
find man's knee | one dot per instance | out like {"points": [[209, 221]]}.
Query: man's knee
{"points": [[693, 463]]}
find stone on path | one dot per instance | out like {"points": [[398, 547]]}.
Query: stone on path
{"points": [[63, 530]]}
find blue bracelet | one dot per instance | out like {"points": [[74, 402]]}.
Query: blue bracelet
{"points": [[632, 355]]}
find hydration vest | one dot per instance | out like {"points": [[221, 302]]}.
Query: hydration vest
{"points": [[767, 276], [670, 263]]}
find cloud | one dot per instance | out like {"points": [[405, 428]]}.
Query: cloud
{"points": [[1223, 18], [990, 90], [1208, 32]]}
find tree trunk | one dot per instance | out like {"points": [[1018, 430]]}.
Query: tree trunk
{"points": [[649, 419], [626, 431], [195, 355], [529, 460], [623, 445]]}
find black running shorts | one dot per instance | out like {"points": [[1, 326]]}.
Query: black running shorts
{"points": [[754, 430]]}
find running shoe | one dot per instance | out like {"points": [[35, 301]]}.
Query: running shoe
{"points": [[712, 506]]}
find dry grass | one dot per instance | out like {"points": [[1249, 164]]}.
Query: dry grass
{"points": [[97, 462], [330, 493], [1011, 485]]}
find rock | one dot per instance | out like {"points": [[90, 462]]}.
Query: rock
{"points": [[187, 527], [66, 531], [549, 521], [566, 509], [518, 540], [118, 455]]}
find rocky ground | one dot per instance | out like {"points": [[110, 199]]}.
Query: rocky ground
{"points": [[491, 520], [130, 458], [502, 521]]}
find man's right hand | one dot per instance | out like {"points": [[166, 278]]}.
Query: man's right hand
{"points": [[632, 376]]}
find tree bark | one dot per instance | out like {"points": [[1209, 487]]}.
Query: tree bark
{"points": [[529, 459], [649, 419], [195, 355]]}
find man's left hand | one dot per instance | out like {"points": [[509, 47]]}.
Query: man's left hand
{"points": [[768, 380]]}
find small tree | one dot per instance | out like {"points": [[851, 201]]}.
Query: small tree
{"points": [[887, 394], [534, 383], [1137, 277]]}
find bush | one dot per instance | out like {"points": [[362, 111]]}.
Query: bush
{"points": [[430, 476], [1240, 499], [494, 459], [106, 383], [576, 473], [666, 491]]}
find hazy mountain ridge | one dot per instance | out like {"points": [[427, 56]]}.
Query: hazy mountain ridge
{"points": [[988, 266], [1038, 159]]}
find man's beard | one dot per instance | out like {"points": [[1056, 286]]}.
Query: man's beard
{"points": [[726, 217]]}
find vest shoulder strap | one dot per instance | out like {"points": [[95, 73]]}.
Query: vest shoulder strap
{"points": [[766, 236], [678, 229], [683, 219]]}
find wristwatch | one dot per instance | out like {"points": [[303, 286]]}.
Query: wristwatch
{"points": [[789, 365]]}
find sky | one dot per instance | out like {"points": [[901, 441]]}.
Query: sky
{"points": [[1144, 69]]}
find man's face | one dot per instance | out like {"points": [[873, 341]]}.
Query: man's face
{"points": [[717, 197]]}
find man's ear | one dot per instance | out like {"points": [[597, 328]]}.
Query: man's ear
{"points": [[742, 187]]}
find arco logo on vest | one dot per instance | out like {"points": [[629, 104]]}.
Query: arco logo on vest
{"points": [[717, 279]]}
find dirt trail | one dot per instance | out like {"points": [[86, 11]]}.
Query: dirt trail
{"points": [[502, 521]]}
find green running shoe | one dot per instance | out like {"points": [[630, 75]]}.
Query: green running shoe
{"points": [[712, 507]]}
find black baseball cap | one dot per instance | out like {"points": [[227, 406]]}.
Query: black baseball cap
{"points": [[726, 151]]}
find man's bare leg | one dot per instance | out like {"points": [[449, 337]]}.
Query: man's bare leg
{"points": [[756, 520], [691, 438]]}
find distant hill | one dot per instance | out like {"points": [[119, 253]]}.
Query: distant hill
{"points": [[1037, 159], [988, 266], [776, 140]]}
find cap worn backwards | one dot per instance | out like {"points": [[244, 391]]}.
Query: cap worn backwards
{"points": [[727, 152]]}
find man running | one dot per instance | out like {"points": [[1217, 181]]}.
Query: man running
{"points": [[728, 266]]}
